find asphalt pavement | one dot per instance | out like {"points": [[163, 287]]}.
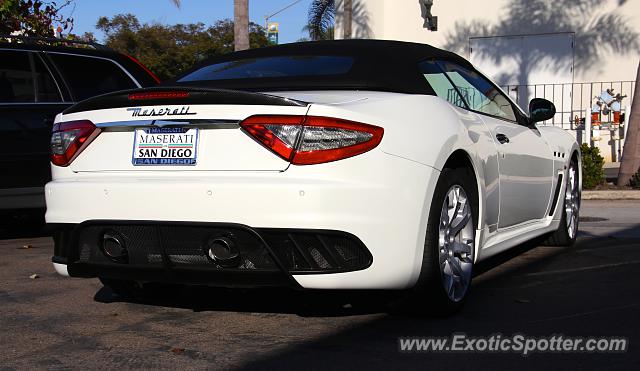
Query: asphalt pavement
{"points": [[591, 289]]}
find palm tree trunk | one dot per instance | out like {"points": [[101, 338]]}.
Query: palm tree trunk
{"points": [[241, 24], [347, 18], [630, 163]]}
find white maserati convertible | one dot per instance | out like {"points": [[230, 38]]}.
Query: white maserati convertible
{"points": [[355, 164]]}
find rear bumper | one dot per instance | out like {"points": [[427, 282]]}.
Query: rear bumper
{"points": [[180, 252], [190, 276], [385, 207]]}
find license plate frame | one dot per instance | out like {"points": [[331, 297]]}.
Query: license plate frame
{"points": [[165, 146]]}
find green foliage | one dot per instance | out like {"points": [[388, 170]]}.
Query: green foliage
{"points": [[320, 20], [33, 17], [634, 182], [592, 167], [323, 34], [169, 50]]}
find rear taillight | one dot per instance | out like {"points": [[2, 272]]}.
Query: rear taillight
{"points": [[312, 140], [69, 139]]}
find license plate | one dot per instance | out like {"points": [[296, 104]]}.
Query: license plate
{"points": [[165, 146]]}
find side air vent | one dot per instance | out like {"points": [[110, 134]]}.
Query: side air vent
{"points": [[556, 195]]}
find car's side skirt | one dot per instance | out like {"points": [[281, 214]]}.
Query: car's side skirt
{"points": [[513, 236]]}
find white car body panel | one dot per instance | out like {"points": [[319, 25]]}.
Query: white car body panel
{"points": [[383, 196], [61, 269], [526, 168], [341, 196], [221, 147]]}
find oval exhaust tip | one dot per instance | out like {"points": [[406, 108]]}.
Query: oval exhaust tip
{"points": [[223, 251], [113, 247]]}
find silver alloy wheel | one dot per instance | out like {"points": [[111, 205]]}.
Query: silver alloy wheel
{"points": [[572, 201], [456, 243]]}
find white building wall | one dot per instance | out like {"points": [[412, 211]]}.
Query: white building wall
{"points": [[401, 20]]}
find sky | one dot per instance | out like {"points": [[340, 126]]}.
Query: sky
{"points": [[292, 20]]}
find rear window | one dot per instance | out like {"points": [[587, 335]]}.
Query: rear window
{"points": [[88, 77], [46, 87], [16, 78], [282, 66]]}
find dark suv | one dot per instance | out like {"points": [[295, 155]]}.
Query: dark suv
{"points": [[38, 79]]}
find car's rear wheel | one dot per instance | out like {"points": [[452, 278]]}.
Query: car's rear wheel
{"points": [[568, 228], [449, 249]]}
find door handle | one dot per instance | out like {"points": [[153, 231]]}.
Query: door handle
{"points": [[502, 138]]}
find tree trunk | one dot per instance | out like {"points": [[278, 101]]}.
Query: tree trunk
{"points": [[631, 154], [347, 18], [241, 24]]}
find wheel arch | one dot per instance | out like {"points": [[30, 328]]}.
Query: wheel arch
{"points": [[462, 158], [577, 156]]}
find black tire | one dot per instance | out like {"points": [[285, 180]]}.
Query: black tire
{"points": [[429, 295], [562, 237]]}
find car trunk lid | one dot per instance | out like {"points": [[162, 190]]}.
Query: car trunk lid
{"points": [[203, 120]]}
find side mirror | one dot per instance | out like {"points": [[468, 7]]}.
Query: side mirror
{"points": [[541, 110]]}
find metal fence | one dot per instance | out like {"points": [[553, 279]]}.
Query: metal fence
{"points": [[571, 99]]}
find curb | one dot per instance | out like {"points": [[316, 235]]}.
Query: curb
{"points": [[611, 195]]}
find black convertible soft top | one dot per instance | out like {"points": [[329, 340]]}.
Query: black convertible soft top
{"points": [[378, 65]]}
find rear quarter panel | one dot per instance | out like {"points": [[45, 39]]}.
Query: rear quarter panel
{"points": [[562, 142], [428, 130]]}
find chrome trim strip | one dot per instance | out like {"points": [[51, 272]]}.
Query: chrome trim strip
{"points": [[217, 124]]}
